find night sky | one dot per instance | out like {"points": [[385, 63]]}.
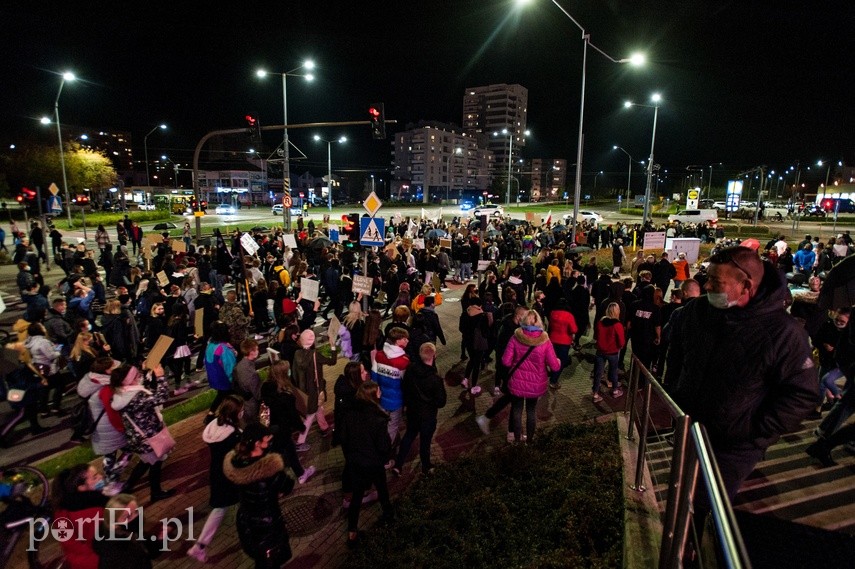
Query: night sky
{"points": [[744, 83]]}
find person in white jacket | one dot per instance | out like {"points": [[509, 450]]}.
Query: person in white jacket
{"points": [[45, 355]]}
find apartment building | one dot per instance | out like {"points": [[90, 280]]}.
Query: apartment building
{"points": [[489, 110], [548, 178]]}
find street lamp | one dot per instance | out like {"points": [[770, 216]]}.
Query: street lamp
{"points": [[174, 167], [308, 65], [145, 146], [457, 152], [629, 172], [341, 140], [655, 99], [637, 60], [597, 175], [510, 135], [67, 76]]}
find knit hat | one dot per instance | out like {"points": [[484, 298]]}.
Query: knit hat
{"points": [[289, 306]]}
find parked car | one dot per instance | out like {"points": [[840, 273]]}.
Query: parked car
{"points": [[489, 209], [277, 209], [697, 216], [225, 209], [146, 207], [814, 210], [165, 226], [841, 205], [584, 215]]}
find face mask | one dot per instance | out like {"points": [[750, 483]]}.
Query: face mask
{"points": [[719, 300], [840, 325], [89, 327], [99, 485]]}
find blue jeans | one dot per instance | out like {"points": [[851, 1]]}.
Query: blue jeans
{"points": [[829, 380], [465, 271], [599, 364], [421, 427], [563, 353]]}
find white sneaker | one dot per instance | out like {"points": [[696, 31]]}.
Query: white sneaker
{"points": [[483, 424], [465, 383], [307, 474], [497, 392], [511, 438], [197, 552], [113, 488], [181, 390]]}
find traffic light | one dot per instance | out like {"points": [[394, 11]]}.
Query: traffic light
{"points": [[378, 121], [253, 126], [353, 227]]}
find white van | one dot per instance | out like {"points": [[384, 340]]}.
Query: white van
{"points": [[696, 216]]}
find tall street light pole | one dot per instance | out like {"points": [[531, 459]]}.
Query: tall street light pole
{"points": [[308, 65], [67, 76], [629, 172], [636, 60], [510, 135], [655, 99], [340, 140], [145, 146]]}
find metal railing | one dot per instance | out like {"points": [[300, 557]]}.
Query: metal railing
{"points": [[692, 458]]}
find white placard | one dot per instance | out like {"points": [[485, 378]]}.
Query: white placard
{"points": [[654, 240], [483, 264], [290, 240], [362, 284], [419, 243], [310, 289], [2, 305], [249, 243]]}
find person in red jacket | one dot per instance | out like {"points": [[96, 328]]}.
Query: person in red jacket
{"points": [[610, 341], [78, 499], [681, 266], [562, 329]]}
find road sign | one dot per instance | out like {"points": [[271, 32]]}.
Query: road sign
{"points": [[54, 204], [372, 204], [372, 231], [54, 189], [286, 200]]}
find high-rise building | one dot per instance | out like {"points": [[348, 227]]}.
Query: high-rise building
{"points": [[490, 109], [548, 179], [434, 161]]}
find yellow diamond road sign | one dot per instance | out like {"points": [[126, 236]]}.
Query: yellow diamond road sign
{"points": [[372, 204], [54, 189]]}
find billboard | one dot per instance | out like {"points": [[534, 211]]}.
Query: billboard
{"points": [[733, 196]]}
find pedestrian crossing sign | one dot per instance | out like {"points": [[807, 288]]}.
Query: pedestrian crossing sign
{"points": [[372, 231]]}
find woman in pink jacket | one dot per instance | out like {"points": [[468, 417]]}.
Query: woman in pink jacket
{"points": [[528, 355]]}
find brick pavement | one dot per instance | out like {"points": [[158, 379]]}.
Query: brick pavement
{"points": [[314, 517]]}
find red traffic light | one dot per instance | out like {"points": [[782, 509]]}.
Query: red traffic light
{"points": [[19, 198], [374, 112], [250, 120]]}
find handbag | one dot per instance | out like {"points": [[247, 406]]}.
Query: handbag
{"points": [[161, 443], [301, 400]]}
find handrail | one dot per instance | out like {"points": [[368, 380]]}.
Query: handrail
{"points": [[692, 459]]}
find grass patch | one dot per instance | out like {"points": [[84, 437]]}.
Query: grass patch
{"points": [[95, 218], [555, 503], [83, 453]]}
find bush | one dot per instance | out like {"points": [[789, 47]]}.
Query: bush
{"points": [[109, 219], [555, 503]]}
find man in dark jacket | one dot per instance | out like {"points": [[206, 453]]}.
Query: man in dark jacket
{"points": [[210, 304], [432, 324], [663, 273], [740, 364], [424, 395]]}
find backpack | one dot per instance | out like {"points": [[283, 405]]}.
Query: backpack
{"points": [[143, 306], [283, 274], [82, 419]]}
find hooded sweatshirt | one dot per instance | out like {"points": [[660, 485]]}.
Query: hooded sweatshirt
{"points": [[221, 439], [387, 370]]}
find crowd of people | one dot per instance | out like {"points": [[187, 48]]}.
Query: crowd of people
{"points": [[223, 305]]}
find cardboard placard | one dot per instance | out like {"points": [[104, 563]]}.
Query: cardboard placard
{"points": [[290, 240], [436, 282], [162, 279], [310, 289], [179, 246], [249, 244], [332, 331], [152, 239], [419, 243], [445, 243], [158, 351], [362, 284], [529, 216], [483, 264], [199, 323]]}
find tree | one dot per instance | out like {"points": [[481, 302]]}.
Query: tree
{"points": [[31, 165]]}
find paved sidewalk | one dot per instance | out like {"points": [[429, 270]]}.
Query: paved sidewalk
{"points": [[314, 516]]}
